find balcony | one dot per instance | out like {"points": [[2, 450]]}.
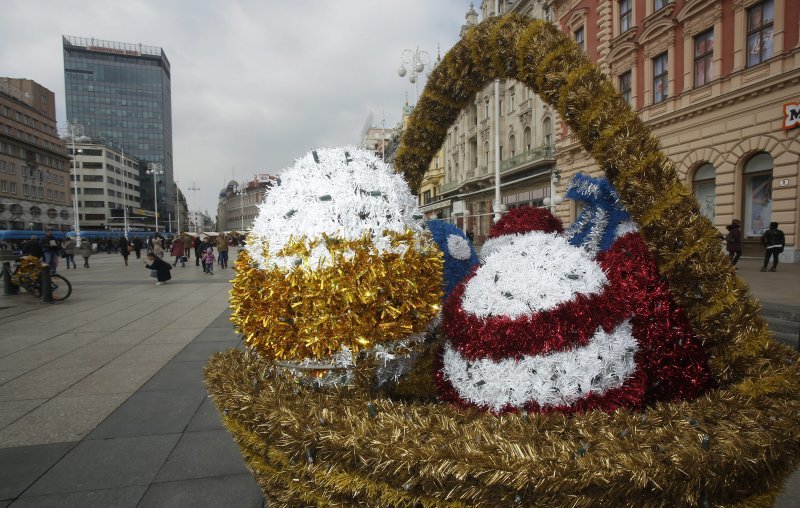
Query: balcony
{"points": [[448, 187], [529, 158]]}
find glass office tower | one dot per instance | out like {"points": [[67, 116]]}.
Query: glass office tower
{"points": [[121, 94]]}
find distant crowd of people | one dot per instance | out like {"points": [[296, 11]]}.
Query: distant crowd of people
{"points": [[208, 251]]}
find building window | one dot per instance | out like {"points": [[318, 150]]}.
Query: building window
{"points": [[13, 188], [512, 103], [659, 4], [759, 32], [578, 34], [703, 57], [704, 185], [526, 138], [625, 15], [625, 86], [547, 128], [660, 75], [757, 194], [486, 152], [486, 109], [512, 145]]}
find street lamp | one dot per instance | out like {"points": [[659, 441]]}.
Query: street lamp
{"points": [[194, 188], [75, 130], [416, 60], [155, 169]]}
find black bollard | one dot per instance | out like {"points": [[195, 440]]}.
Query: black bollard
{"points": [[8, 287], [44, 280]]}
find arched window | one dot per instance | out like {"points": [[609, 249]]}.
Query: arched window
{"points": [[757, 194], [547, 128], [705, 189], [526, 137], [512, 145]]}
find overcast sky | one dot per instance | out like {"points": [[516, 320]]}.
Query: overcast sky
{"points": [[255, 83]]}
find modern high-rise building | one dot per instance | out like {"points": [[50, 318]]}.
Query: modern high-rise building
{"points": [[121, 94]]}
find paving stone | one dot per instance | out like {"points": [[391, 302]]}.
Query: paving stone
{"points": [[240, 491], [150, 353], [151, 412], [61, 419], [177, 375], [24, 464], [106, 464], [183, 336], [125, 497], [8, 375], [114, 377], [203, 454], [206, 418], [200, 351], [42, 383], [10, 410]]}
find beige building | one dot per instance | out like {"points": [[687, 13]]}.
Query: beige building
{"points": [[460, 185], [238, 204], [712, 79], [34, 168], [108, 188]]}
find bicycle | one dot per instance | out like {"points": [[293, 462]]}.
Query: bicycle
{"points": [[27, 275]]}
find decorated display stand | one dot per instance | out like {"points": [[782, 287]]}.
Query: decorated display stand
{"points": [[620, 362]]}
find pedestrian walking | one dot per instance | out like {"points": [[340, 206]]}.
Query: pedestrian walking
{"points": [[222, 249], [773, 240], [158, 246], [159, 268], [177, 252], [208, 261], [187, 246], [86, 250], [124, 249], [200, 247], [69, 252], [137, 246], [51, 249], [733, 241]]}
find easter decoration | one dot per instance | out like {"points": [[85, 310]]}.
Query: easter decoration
{"points": [[665, 387]]}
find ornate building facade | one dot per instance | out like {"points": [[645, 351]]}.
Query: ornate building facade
{"points": [[718, 82], [34, 168], [460, 186]]}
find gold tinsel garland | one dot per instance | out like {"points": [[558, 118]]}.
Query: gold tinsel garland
{"points": [[361, 298], [731, 447]]}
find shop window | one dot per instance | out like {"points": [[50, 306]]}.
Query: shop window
{"points": [[760, 18], [704, 185], [703, 57], [660, 76], [757, 194]]}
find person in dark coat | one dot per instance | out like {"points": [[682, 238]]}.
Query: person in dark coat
{"points": [[200, 247], [32, 248], [137, 246], [733, 241], [161, 267], [123, 249], [773, 240]]}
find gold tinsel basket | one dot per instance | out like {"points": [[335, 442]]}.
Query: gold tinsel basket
{"points": [[349, 446]]}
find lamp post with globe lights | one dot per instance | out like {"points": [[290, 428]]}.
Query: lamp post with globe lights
{"points": [[416, 60], [75, 130], [155, 169]]}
